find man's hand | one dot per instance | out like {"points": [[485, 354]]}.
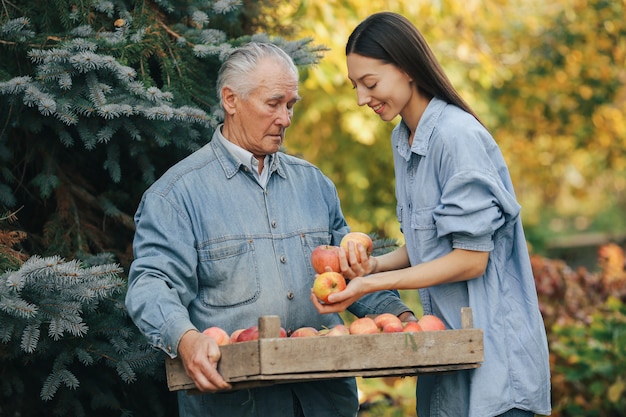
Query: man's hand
{"points": [[200, 354]]}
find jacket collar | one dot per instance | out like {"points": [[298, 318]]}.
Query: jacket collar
{"points": [[231, 164]]}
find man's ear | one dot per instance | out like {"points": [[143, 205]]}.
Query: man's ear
{"points": [[229, 100]]}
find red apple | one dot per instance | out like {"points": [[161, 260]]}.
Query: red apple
{"points": [[251, 333], [338, 330], [325, 256], [429, 322], [327, 283], [412, 326], [221, 337], [393, 328], [234, 335], [364, 325], [386, 318], [304, 332], [358, 238]]}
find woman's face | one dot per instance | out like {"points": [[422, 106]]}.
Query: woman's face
{"points": [[385, 88]]}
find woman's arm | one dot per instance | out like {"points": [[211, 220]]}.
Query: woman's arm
{"points": [[458, 265], [398, 259]]}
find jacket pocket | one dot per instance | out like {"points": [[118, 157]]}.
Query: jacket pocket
{"points": [[424, 228], [228, 273]]}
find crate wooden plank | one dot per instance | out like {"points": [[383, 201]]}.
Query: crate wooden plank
{"points": [[178, 380], [240, 359], [372, 351], [365, 373], [272, 360]]}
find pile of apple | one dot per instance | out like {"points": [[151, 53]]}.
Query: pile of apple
{"points": [[325, 257], [240, 335], [382, 323]]}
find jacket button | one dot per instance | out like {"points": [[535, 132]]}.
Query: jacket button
{"points": [[274, 224], [283, 259], [290, 295]]}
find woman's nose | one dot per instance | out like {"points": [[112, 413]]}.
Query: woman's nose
{"points": [[362, 98]]}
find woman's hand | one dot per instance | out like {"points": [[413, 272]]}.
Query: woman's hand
{"points": [[355, 262], [340, 301]]}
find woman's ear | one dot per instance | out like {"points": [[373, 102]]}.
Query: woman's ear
{"points": [[229, 100]]}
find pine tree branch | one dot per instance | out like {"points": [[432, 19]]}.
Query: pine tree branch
{"points": [[172, 32], [123, 218]]}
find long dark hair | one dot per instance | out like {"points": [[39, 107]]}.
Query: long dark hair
{"points": [[393, 39]]}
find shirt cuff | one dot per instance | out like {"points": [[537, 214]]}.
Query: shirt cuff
{"points": [[173, 331], [476, 243]]}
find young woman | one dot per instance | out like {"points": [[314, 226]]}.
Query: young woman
{"points": [[465, 244]]}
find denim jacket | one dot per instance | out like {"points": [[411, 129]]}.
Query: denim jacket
{"points": [[454, 191], [214, 248]]}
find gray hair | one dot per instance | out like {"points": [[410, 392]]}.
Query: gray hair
{"points": [[236, 69]]}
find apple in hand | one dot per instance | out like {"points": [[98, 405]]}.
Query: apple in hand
{"points": [[388, 323], [364, 325], [220, 335], [325, 256], [304, 332], [358, 237], [328, 283], [429, 322], [412, 326]]}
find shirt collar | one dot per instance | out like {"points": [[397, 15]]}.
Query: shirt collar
{"points": [[244, 157], [423, 133]]}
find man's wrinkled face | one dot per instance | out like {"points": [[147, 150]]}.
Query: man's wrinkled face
{"points": [[259, 120]]}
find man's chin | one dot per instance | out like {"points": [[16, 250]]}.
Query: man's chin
{"points": [[277, 140]]}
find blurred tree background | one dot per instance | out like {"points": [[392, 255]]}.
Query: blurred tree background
{"points": [[99, 97], [548, 79]]}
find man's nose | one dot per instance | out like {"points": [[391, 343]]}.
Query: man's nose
{"points": [[284, 118]]}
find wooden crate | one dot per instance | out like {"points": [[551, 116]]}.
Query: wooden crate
{"points": [[272, 360]]}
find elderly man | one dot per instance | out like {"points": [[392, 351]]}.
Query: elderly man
{"points": [[225, 236]]}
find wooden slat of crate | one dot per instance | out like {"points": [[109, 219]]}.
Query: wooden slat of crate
{"points": [[374, 351], [276, 360], [178, 380], [291, 360]]}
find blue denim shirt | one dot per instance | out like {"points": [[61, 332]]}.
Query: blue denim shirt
{"points": [[454, 191], [214, 248]]}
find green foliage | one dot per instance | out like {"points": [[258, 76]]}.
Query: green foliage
{"points": [[64, 334], [590, 358], [97, 99], [548, 78], [585, 315], [387, 397]]}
